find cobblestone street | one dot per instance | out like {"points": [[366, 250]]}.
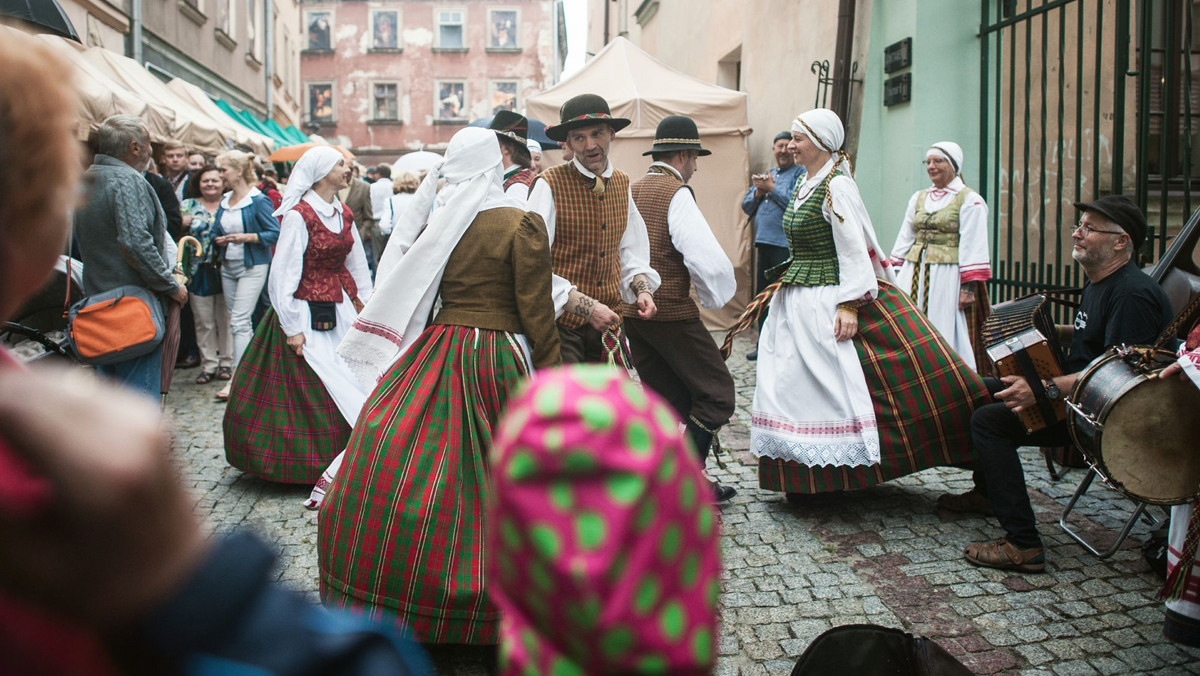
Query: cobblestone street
{"points": [[885, 555]]}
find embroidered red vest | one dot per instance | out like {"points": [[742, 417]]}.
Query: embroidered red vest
{"points": [[652, 194], [524, 176], [325, 274], [587, 235]]}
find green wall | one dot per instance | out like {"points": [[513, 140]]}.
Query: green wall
{"points": [[944, 105]]}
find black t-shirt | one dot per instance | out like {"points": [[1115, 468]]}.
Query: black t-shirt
{"points": [[1125, 307]]}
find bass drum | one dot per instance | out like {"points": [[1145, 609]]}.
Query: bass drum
{"points": [[1138, 431]]}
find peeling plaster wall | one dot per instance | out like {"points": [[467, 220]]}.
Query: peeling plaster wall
{"points": [[353, 67]]}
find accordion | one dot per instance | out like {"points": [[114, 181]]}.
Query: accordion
{"points": [[1020, 339]]}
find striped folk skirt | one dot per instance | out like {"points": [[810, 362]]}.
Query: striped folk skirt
{"points": [[280, 422], [400, 534], [922, 396]]}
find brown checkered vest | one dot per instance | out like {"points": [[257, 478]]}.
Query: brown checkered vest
{"points": [[652, 194], [587, 235]]}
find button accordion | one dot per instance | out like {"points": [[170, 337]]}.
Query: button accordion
{"points": [[1020, 338]]}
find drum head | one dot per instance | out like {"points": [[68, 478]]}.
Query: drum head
{"points": [[1150, 440]]}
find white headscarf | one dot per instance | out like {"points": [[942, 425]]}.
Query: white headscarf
{"points": [[534, 146], [823, 127], [314, 165], [949, 150], [410, 271]]}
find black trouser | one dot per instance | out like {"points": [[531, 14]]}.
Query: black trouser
{"points": [[769, 256], [680, 361], [997, 433], [583, 344]]}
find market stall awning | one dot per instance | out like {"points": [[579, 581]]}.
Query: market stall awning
{"points": [[268, 128], [102, 97], [262, 144], [193, 127]]}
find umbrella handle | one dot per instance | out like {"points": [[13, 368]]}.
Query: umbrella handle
{"points": [[198, 250]]}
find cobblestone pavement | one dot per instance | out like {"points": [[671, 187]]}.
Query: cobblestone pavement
{"points": [[885, 555]]}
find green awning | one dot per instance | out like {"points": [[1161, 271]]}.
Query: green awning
{"points": [[268, 128]]}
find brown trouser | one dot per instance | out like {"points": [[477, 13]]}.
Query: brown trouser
{"points": [[680, 361], [584, 344]]}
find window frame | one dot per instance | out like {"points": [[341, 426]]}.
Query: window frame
{"points": [[437, 28], [464, 109], [493, 88], [517, 47], [308, 14], [308, 100], [371, 15], [374, 108]]}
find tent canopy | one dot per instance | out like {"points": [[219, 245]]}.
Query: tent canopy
{"points": [[262, 144], [644, 90]]}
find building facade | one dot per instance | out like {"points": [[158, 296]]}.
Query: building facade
{"points": [[243, 51], [387, 77]]}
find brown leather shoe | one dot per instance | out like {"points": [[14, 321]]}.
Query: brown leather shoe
{"points": [[971, 502], [1004, 555]]}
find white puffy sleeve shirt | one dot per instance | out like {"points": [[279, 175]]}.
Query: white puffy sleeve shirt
{"points": [[974, 261], [288, 264]]}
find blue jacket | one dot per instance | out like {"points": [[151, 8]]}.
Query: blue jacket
{"points": [[768, 212], [256, 218]]}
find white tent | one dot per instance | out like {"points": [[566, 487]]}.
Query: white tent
{"points": [[643, 89], [261, 145]]}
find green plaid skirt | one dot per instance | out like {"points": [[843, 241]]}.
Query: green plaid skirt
{"points": [[400, 537], [280, 422], [922, 393]]}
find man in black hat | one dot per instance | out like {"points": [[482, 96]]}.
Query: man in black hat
{"points": [[766, 201], [673, 352], [1120, 305], [598, 239], [512, 129]]}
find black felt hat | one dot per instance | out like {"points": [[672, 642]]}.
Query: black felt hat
{"points": [[510, 124], [677, 132], [1123, 212], [583, 111]]}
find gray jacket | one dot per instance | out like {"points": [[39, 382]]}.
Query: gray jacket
{"points": [[121, 231]]}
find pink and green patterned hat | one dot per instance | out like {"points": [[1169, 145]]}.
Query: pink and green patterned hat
{"points": [[602, 542]]}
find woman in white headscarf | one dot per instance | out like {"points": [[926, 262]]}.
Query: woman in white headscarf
{"points": [[854, 386], [942, 251], [294, 398], [401, 530]]}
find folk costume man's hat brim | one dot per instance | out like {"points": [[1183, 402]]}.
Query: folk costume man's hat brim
{"points": [[677, 132], [510, 124], [584, 110]]}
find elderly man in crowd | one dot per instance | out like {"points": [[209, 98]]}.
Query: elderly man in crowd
{"points": [[1120, 304], [122, 234], [598, 239], [765, 201]]}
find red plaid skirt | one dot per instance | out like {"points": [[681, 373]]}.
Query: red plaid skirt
{"points": [[922, 393], [401, 535], [280, 423]]}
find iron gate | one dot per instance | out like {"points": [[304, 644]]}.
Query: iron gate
{"points": [[1069, 113]]}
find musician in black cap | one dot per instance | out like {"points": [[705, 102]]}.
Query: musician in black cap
{"points": [[598, 239], [512, 129], [1120, 305], [673, 352]]}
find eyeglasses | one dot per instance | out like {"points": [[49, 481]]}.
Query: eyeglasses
{"points": [[1087, 230]]}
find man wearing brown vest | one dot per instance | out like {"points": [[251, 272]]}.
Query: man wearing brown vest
{"points": [[598, 239], [674, 353]]}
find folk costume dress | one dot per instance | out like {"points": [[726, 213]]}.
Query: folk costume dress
{"points": [[605, 556], [942, 249], [401, 530], [841, 415], [1182, 588], [289, 416]]}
